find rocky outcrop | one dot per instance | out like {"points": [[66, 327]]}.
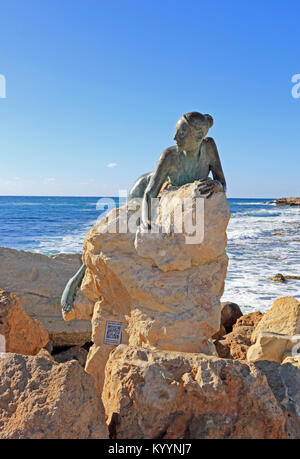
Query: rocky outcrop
{"points": [[23, 335], [164, 291], [283, 278], [38, 281], [274, 334], [277, 278], [284, 381], [288, 202], [169, 395], [249, 320], [41, 399], [234, 345]]}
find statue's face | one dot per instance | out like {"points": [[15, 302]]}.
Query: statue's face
{"points": [[187, 138]]}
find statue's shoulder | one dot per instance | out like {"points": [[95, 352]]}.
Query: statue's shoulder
{"points": [[169, 154], [210, 146], [209, 142]]}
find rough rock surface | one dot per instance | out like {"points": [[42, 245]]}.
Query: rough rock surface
{"points": [[23, 335], [42, 399], [166, 293], [269, 346], [283, 317], [159, 394], [249, 320], [235, 345], [272, 337], [284, 381], [39, 281]]}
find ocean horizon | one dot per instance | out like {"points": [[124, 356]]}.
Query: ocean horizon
{"points": [[58, 224]]}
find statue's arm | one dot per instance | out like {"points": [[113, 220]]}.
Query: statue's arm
{"points": [[157, 180], [215, 162]]}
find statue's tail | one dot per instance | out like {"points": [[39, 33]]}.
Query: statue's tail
{"points": [[69, 293]]}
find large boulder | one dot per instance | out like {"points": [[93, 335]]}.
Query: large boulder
{"points": [[22, 334], [284, 381], [39, 280], [269, 346], [163, 290], [274, 334], [42, 399], [171, 395]]}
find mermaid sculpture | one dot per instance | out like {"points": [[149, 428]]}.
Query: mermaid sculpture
{"points": [[193, 158]]}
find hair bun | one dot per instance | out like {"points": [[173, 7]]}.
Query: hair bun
{"points": [[210, 120]]}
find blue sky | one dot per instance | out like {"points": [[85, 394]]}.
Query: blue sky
{"points": [[95, 83]]}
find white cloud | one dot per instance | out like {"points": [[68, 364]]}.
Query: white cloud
{"points": [[49, 180], [112, 165]]}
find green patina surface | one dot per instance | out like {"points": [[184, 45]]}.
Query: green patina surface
{"points": [[69, 293]]}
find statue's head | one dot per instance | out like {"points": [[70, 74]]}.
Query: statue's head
{"points": [[191, 129]]}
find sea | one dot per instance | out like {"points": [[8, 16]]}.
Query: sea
{"points": [[263, 240]]}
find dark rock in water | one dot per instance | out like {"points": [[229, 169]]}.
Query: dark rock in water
{"points": [[288, 202], [278, 278]]}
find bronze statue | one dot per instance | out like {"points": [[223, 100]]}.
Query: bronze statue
{"points": [[193, 158]]}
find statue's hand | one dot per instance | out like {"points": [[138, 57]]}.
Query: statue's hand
{"points": [[209, 187]]}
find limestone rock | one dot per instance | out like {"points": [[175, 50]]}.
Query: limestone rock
{"points": [[170, 395], [284, 380], [230, 313], [269, 346], [166, 293], [45, 353], [23, 335], [172, 252], [39, 280], [274, 333], [41, 399], [235, 345], [283, 317], [249, 320]]}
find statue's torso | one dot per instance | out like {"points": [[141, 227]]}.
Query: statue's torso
{"points": [[186, 169]]}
